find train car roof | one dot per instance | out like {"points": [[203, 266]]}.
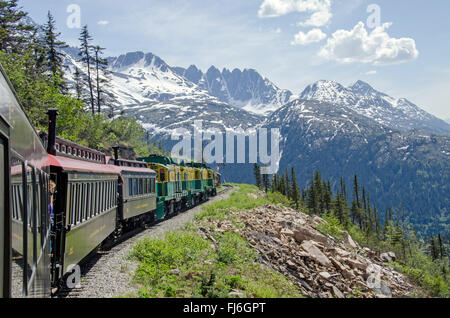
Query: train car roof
{"points": [[74, 165], [121, 169], [23, 137]]}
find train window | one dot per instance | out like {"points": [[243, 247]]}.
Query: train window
{"points": [[77, 203], [98, 195], [162, 176], [17, 229], [102, 197], [71, 204], [94, 199], [109, 186], [85, 196], [130, 187], [135, 187], [31, 209], [88, 200], [141, 186]]}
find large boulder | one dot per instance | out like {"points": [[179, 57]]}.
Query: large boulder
{"points": [[315, 253], [305, 233], [388, 257], [348, 240]]}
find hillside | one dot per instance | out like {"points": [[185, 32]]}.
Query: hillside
{"points": [[405, 170]]}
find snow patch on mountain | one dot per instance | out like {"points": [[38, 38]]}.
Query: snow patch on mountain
{"points": [[365, 100]]}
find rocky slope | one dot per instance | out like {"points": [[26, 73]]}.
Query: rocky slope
{"points": [[320, 265]]}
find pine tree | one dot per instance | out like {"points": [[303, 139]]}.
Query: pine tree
{"points": [[434, 251], [102, 82], [265, 180], [14, 33], [287, 185], [340, 209], [78, 86], [295, 190], [356, 192], [257, 173], [87, 59], [441, 247], [53, 55]]}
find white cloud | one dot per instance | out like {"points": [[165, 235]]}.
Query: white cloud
{"points": [[320, 10], [103, 22], [318, 19], [377, 48], [371, 73], [313, 36]]}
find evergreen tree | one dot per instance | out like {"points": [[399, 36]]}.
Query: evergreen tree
{"points": [[343, 189], [434, 251], [295, 190], [14, 33], [356, 191], [257, 173], [78, 86], [104, 96], [328, 196], [340, 209], [53, 55], [287, 185], [87, 59], [265, 180], [441, 247]]}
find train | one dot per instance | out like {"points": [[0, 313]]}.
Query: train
{"points": [[60, 201]]}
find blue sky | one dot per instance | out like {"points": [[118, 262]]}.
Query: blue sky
{"points": [[406, 54]]}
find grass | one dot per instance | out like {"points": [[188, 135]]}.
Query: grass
{"points": [[183, 264]]}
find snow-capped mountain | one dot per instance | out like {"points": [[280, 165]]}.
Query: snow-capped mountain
{"points": [[245, 89], [364, 99]]}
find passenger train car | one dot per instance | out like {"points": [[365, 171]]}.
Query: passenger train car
{"points": [[60, 201], [24, 198]]}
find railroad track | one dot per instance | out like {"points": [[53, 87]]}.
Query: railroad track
{"points": [[107, 273]]}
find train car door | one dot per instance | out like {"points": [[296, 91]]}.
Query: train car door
{"points": [[4, 211]]}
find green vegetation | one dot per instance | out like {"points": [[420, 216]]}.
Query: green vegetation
{"points": [[34, 64], [187, 264]]}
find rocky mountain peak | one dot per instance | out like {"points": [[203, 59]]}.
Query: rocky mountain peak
{"points": [[362, 88]]}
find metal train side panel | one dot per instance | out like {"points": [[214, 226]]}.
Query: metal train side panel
{"points": [[30, 275], [140, 205], [90, 221], [5, 228], [80, 241]]}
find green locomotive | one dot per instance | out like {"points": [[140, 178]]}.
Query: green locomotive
{"points": [[180, 185]]}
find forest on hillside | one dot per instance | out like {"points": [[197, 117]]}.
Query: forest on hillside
{"points": [[33, 60]]}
